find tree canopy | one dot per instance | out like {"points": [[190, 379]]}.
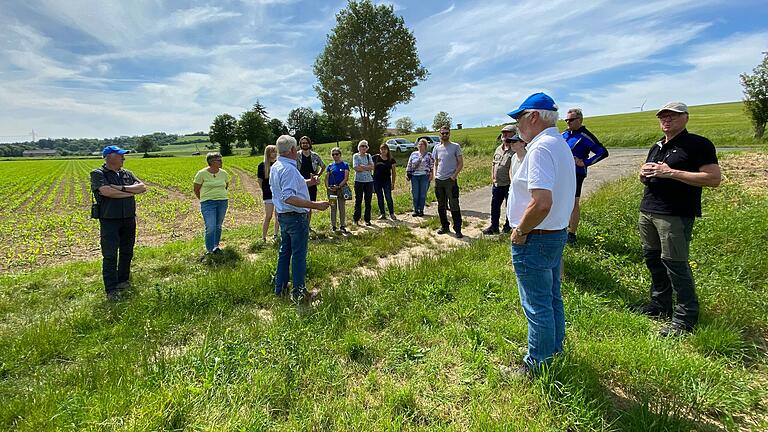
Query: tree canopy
{"points": [[224, 132], [756, 96], [302, 121], [441, 119], [253, 128], [369, 65], [405, 124]]}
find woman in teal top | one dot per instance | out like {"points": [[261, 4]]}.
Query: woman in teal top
{"points": [[211, 188]]}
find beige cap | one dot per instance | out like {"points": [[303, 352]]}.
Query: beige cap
{"points": [[677, 107], [509, 128]]}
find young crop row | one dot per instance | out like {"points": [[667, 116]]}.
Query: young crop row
{"points": [[44, 205]]}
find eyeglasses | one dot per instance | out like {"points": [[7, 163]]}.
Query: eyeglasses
{"points": [[669, 116], [568, 120], [519, 118], [445, 133]]}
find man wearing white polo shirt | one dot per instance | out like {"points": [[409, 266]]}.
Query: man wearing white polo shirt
{"points": [[539, 206], [290, 195]]}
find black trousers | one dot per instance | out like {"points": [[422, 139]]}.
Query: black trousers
{"points": [[447, 193], [118, 237], [498, 195], [363, 190]]}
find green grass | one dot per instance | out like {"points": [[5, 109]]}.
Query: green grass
{"points": [[209, 347], [725, 124]]}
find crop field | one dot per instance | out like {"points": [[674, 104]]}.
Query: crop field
{"points": [[44, 205]]}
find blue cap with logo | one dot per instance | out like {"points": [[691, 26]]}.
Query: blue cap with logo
{"points": [[535, 101], [108, 150]]}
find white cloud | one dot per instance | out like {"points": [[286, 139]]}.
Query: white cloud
{"points": [[198, 15], [712, 76]]}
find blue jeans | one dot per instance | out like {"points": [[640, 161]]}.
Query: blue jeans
{"points": [[294, 239], [384, 191], [419, 187], [537, 267], [213, 215]]}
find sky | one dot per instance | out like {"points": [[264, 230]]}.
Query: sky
{"points": [[105, 68]]}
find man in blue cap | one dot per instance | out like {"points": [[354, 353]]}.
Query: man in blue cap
{"points": [[539, 206], [114, 190]]}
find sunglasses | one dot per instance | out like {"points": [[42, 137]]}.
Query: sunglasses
{"points": [[335, 154], [445, 133], [570, 120]]}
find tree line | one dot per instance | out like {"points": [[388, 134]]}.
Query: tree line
{"points": [[86, 146]]}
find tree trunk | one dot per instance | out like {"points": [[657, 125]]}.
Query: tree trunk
{"points": [[759, 130]]}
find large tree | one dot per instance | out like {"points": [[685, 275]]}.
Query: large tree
{"points": [[223, 131], [756, 96], [145, 145], [277, 127], [405, 124], [303, 121], [441, 119], [254, 129], [369, 65]]}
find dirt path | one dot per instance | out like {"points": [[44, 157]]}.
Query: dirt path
{"points": [[621, 162]]}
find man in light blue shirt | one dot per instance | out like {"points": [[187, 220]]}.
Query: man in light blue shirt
{"points": [[290, 195]]}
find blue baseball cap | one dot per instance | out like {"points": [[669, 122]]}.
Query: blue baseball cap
{"points": [[535, 101], [108, 150]]}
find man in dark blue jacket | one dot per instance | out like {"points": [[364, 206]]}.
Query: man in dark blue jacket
{"points": [[582, 143]]}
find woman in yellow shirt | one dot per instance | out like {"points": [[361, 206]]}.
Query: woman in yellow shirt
{"points": [[211, 186]]}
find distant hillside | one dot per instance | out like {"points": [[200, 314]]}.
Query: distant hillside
{"points": [[725, 124]]}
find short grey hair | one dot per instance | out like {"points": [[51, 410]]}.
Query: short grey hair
{"points": [[335, 150], [212, 155], [547, 116], [285, 143], [362, 143], [576, 111]]}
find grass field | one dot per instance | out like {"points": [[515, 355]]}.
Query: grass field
{"points": [[416, 348], [725, 124]]}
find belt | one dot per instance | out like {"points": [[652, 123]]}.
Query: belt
{"points": [[543, 231], [292, 214]]}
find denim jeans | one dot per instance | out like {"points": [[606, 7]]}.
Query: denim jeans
{"points": [[384, 191], [213, 215], [537, 267], [498, 195], [419, 187], [666, 240], [294, 239], [447, 194], [117, 238], [363, 190]]}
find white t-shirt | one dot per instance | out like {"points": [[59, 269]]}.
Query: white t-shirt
{"points": [[547, 165]]}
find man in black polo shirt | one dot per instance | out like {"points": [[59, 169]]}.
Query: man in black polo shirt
{"points": [[114, 189], [677, 167]]}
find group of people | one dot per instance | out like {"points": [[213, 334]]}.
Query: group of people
{"points": [[536, 169]]}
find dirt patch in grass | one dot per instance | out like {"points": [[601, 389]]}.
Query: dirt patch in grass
{"points": [[427, 243], [749, 171]]}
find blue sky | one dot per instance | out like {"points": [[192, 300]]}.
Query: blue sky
{"points": [[103, 68]]}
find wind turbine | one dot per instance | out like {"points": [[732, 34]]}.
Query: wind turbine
{"points": [[642, 105]]}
